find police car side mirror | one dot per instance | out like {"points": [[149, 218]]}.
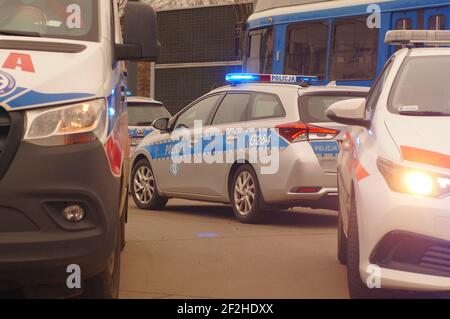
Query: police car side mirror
{"points": [[140, 35], [161, 124], [349, 112]]}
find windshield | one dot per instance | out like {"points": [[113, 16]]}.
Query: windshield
{"points": [[139, 114], [422, 87], [66, 19], [313, 107]]}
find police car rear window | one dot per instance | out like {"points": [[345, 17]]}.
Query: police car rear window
{"points": [[313, 108], [266, 106]]}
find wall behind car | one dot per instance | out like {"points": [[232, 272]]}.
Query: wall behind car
{"points": [[200, 45]]}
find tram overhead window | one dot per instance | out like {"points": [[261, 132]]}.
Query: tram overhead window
{"points": [[437, 22], [307, 49], [354, 50], [404, 24], [260, 47]]}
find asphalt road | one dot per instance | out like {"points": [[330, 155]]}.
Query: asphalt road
{"points": [[197, 250]]}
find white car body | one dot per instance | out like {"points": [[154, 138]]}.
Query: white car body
{"points": [[391, 222]]}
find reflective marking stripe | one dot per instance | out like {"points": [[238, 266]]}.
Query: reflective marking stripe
{"points": [[163, 150], [360, 171], [417, 155]]}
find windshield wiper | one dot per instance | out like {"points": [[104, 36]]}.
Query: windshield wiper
{"points": [[21, 33], [423, 113]]}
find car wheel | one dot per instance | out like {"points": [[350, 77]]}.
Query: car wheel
{"points": [[106, 284], [144, 189], [358, 289], [246, 195]]}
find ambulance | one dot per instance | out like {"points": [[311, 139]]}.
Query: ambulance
{"points": [[64, 149]]}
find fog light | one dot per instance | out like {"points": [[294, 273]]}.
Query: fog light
{"points": [[74, 213]]}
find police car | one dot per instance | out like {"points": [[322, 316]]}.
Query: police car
{"points": [[394, 173], [142, 112], [264, 141]]}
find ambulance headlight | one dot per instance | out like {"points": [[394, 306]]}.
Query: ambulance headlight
{"points": [[403, 179], [72, 124]]}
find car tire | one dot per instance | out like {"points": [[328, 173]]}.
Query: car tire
{"points": [[246, 197], [106, 284], [123, 222], [342, 243], [357, 288], [144, 189]]}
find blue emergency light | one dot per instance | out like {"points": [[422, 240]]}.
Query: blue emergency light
{"points": [[239, 78], [129, 93]]}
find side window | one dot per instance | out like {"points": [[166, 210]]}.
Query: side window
{"points": [[232, 109], [266, 106], [375, 93], [354, 50], [259, 57], [404, 24], [307, 49], [198, 112], [437, 22]]}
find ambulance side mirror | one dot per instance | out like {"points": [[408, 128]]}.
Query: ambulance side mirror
{"points": [[140, 34], [161, 124], [349, 112]]}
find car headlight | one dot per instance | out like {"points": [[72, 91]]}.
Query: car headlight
{"points": [[403, 179], [73, 124]]}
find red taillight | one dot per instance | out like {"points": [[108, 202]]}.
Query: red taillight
{"points": [[299, 131]]}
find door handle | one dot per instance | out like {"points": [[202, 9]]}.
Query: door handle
{"points": [[231, 138], [193, 142]]}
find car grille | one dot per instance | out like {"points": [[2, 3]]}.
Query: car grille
{"points": [[5, 127], [11, 131], [413, 253], [436, 258]]}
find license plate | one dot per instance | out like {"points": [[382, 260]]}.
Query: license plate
{"points": [[135, 141], [326, 149]]}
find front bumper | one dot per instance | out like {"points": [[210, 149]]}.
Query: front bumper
{"points": [[36, 243], [407, 236]]}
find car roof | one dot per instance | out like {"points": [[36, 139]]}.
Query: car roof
{"points": [[141, 99], [429, 52], [294, 88]]}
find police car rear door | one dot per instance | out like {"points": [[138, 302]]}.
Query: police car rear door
{"points": [[221, 142]]}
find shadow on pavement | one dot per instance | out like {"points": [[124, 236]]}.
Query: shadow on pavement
{"points": [[305, 218]]}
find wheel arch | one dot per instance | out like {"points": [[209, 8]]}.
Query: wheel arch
{"points": [[233, 169]]}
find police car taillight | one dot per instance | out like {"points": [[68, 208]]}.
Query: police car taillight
{"points": [[240, 78], [299, 131]]}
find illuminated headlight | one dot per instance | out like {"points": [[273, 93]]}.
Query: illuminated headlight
{"points": [[403, 179], [73, 124]]}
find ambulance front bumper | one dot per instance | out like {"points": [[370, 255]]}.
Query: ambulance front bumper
{"points": [[37, 244]]}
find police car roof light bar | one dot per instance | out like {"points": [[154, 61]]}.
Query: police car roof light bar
{"points": [[418, 37], [240, 78]]}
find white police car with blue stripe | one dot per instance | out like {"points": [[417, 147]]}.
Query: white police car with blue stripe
{"points": [[264, 141]]}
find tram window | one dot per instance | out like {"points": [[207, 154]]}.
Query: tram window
{"points": [[404, 24], [307, 49], [260, 47], [437, 22], [354, 50]]}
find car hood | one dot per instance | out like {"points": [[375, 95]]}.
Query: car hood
{"points": [[422, 140], [32, 78]]}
